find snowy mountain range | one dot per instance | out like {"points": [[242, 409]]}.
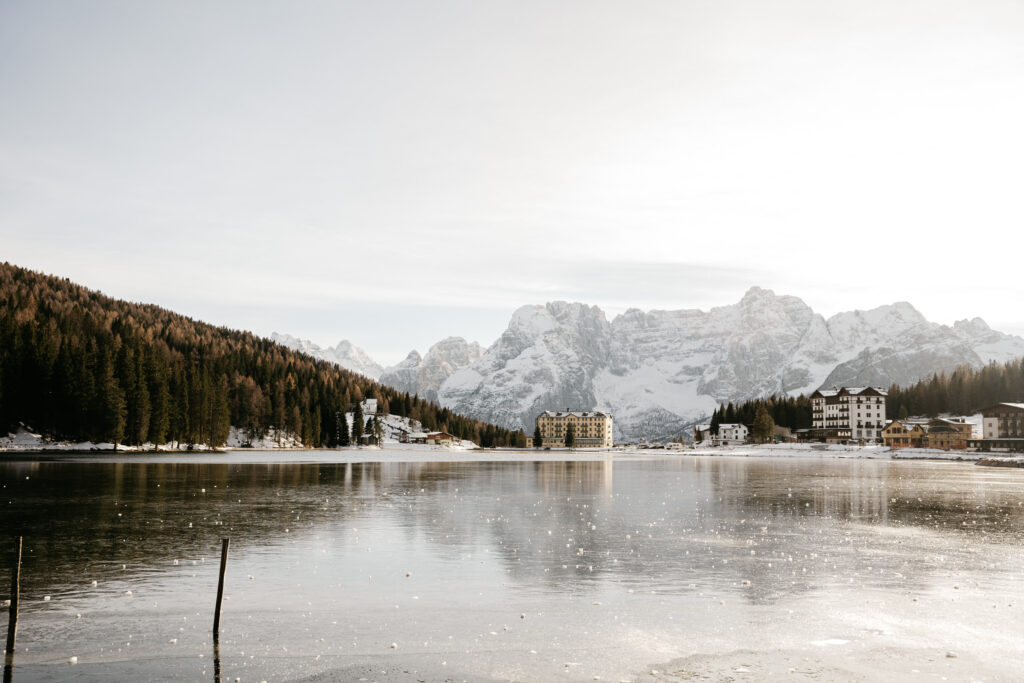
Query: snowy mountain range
{"points": [[660, 371], [344, 354]]}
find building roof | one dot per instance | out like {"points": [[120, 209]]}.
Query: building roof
{"points": [[730, 425], [577, 413], [849, 391], [1020, 406]]}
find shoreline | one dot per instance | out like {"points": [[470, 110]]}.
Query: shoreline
{"points": [[769, 451]]}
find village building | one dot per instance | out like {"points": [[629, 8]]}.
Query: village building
{"points": [[896, 434], [1003, 421], [441, 439], [947, 433], [413, 437], [591, 429], [848, 413], [730, 434], [701, 433], [1002, 428]]}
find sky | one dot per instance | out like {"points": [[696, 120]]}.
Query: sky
{"points": [[393, 173]]}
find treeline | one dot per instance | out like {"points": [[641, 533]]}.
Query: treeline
{"points": [[786, 411], [81, 366], [965, 391]]}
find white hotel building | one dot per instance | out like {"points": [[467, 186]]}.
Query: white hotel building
{"points": [[848, 413], [592, 429]]}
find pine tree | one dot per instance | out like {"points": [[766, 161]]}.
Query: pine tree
{"points": [[538, 440], [764, 425], [111, 405], [378, 429], [357, 424], [570, 436], [716, 419], [220, 416], [343, 435]]}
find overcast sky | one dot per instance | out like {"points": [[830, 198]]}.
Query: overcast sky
{"points": [[396, 172]]}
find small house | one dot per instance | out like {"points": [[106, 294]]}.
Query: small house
{"points": [[730, 434], [441, 439]]}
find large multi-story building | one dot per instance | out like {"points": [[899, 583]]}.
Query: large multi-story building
{"points": [[1002, 427], [848, 413], [592, 429], [1003, 421]]}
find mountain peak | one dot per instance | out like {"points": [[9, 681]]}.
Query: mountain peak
{"points": [[345, 354], [756, 293]]}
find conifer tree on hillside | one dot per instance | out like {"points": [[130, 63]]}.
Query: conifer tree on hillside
{"points": [[343, 433], [357, 424], [716, 419], [81, 366], [537, 438], [764, 425]]}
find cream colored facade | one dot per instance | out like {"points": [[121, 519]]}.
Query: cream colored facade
{"points": [[859, 410], [592, 429]]}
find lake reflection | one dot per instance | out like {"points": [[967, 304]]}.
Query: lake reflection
{"points": [[501, 570]]}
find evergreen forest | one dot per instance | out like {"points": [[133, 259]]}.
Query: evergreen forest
{"points": [[964, 391], [77, 365]]}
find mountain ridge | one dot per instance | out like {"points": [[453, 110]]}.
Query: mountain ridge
{"points": [[661, 370]]}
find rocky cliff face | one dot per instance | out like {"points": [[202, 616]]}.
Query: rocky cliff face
{"points": [[425, 375], [660, 371]]}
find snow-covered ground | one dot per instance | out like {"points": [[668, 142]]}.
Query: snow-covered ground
{"points": [[26, 440], [818, 450], [393, 427]]}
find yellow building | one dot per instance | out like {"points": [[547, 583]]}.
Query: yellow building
{"points": [[944, 433], [897, 434], [591, 429], [947, 433]]}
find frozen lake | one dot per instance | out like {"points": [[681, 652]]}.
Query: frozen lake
{"points": [[383, 566]]}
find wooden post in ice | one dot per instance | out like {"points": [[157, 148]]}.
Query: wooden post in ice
{"points": [[220, 589], [12, 623]]}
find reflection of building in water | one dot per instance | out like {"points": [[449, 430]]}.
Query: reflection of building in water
{"points": [[575, 477], [591, 429]]}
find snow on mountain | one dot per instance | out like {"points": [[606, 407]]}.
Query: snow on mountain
{"points": [[660, 371], [405, 375], [548, 356], [344, 354], [425, 375]]}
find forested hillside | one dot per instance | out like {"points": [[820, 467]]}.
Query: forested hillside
{"points": [[78, 365], [965, 391], [786, 411]]}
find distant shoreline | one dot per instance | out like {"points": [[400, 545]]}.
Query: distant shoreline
{"points": [[767, 451]]}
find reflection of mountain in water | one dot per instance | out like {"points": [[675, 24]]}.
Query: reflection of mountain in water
{"points": [[763, 528]]}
